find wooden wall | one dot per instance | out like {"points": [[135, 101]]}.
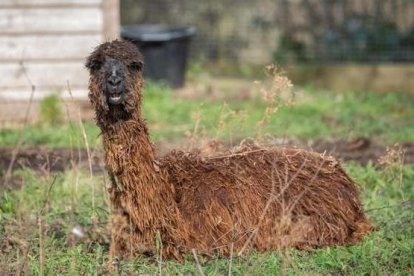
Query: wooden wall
{"points": [[45, 42]]}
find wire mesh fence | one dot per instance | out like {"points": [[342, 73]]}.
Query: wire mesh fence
{"points": [[286, 31]]}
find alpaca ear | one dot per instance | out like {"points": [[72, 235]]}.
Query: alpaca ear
{"points": [[93, 64], [136, 66], [94, 61]]}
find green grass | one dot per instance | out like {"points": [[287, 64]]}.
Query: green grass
{"points": [[38, 214], [65, 200], [316, 114]]}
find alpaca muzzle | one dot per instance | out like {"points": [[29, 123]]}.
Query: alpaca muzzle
{"points": [[115, 90]]}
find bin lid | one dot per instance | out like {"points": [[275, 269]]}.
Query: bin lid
{"points": [[156, 33]]}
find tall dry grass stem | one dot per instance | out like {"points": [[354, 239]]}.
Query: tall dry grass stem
{"points": [[198, 265], [20, 138], [279, 93]]}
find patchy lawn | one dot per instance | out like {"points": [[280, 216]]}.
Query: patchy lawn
{"points": [[53, 221], [314, 115]]}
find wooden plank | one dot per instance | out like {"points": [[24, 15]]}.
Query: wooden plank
{"points": [[48, 3], [43, 74], [29, 48], [58, 20], [111, 19], [23, 93], [12, 35]]}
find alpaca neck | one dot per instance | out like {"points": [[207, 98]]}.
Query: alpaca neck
{"points": [[127, 143], [143, 191]]}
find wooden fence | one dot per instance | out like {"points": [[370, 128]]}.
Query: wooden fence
{"points": [[44, 43]]}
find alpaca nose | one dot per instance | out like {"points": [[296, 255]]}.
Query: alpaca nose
{"points": [[114, 81]]}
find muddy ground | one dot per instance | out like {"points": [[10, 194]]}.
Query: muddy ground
{"points": [[45, 160]]}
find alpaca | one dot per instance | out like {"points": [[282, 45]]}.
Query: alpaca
{"points": [[257, 198]]}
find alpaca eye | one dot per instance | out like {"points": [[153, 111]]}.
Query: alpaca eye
{"points": [[136, 66], [95, 65]]}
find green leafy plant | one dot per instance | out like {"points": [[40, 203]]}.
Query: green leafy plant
{"points": [[50, 110]]}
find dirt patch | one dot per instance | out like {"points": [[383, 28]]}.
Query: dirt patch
{"points": [[49, 160], [363, 150], [45, 160]]}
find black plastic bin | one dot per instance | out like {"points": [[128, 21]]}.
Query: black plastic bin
{"points": [[165, 50]]}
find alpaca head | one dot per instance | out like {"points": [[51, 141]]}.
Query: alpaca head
{"points": [[115, 79]]}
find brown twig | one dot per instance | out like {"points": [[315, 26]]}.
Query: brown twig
{"points": [[20, 138], [200, 270]]}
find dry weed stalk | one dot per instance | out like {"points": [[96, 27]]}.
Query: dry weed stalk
{"points": [[275, 95], [199, 268], [392, 163], [394, 156], [20, 138], [226, 116], [195, 133]]}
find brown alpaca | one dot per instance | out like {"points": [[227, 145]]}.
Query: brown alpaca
{"points": [[255, 199]]}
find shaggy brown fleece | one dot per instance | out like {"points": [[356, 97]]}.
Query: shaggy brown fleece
{"points": [[253, 199]]}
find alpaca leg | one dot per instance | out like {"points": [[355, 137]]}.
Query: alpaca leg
{"points": [[120, 236], [126, 241], [115, 250]]}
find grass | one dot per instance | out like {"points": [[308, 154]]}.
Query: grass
{"points": [[65, 200], [39, 211], [315, 115]]}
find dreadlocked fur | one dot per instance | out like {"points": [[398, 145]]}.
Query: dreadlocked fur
{"points": [[253, 199]]}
